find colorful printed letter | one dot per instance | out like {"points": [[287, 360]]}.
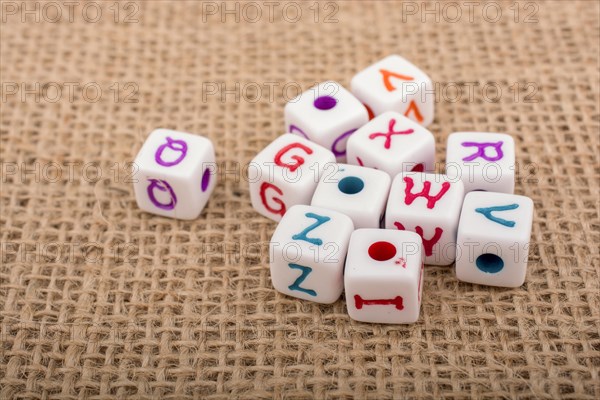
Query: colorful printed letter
{"points": [[427, 243], [359, 302], [294, 128], [413, 107], [175, 145], [386, 75], [481, 150], [389, 133], [263, 196], [302, 235], [431, 200], [296, 285], [163, 186], [334, 146], [299, 160], [487, 212]]}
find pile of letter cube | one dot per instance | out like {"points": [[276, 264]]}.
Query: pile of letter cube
{"points": [[359, 207]]}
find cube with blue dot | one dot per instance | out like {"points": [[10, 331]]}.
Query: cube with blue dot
{"points": [[493, 239]]}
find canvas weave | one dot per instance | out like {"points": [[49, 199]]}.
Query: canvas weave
{"points": [[100, 300]]}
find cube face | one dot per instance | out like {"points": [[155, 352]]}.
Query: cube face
{"points": [[394, 84], [361, 193], [176, 174], [286, 173], [383, 279], [394, 144], [308, 251], [327, 114], [493, 239], [483, 161], [430, 205]]}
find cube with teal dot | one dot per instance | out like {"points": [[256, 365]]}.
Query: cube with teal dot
{"points": [[493, 239], [359, 192]]}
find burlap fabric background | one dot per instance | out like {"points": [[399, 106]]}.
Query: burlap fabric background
{"points": [[101, 300]]}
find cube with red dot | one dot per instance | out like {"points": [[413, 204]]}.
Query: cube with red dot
{"points": [[383, 278]]}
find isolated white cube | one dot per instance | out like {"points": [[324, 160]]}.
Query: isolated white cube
{"points": [[394, 144], [394, 84], [308, 250], [483, 161], [493, 239], [383, 279], [430, 205], [176, 174], [286, 173], [361, 193], [326, 114]]}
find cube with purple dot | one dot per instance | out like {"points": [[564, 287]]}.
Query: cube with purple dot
{"points": [[326, 114]]}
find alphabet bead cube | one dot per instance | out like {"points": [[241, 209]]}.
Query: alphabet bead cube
{"points": [[392, 143], [326, 114], [430, 205], [493, 239], [383, 279], [286, 173], [308, 251], [484, 161], [394, 84], [361, 193], [176, 174]]}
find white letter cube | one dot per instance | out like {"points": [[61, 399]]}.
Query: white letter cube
{"points": [[286, 173], [176, 174], [394, 84], [361, 193], [430, 205], [308, 251], [326, 114], [493, 239], [392, 143], [484, 161], [383, 279]]}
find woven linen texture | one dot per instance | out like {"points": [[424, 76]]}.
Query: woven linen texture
{"points": [[100, 300]]}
